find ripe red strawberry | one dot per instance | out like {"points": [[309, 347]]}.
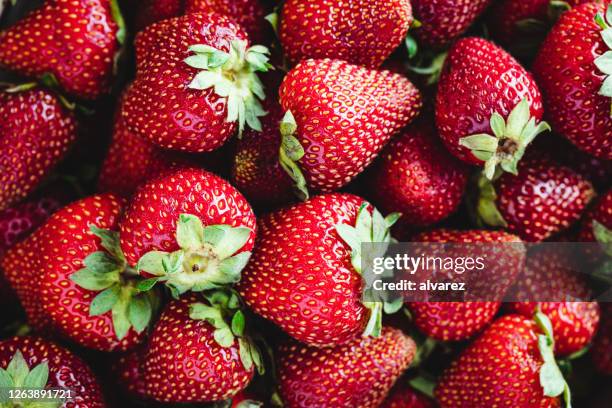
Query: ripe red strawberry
{"points": [[74, 40], [131, 161], [362, 32], [602, 345], [190, 229], [256, 170], [402, 395], [304, 274], [502, 367], [417, 177], [342, 115], [36, 363], [514, 21], [128, 371], [199, 352], [461, 320], [248, 13], [488, 107], [86, 288], [545, 198], [548, 276], [573, 69], [443, 21], [32, 142], [357, 374], [196, 83]]}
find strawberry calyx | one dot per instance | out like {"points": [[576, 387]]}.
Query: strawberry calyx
{"points": [[604, 61], [222, 310], [486, 208], [108, 273], [290, 152], [551, 378], [119, 20], [249, 404], [506, 146], [603, 236], [374, 228], [18, 375], [206, 259], [233, 76]]}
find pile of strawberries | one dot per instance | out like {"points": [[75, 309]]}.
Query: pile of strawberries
{"points": [[185, 187]]}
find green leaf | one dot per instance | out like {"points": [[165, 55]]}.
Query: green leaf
{"points": [[101, 262], [606, 87], [412, 46], [146, 284], [604, 62], [224, 337], [393, 306], [238, 323], [189, 232], [199, 61], [121, 322], [480, 142], [37, 378], [232, 241], [603, 236], [272, 18], [231, 267], [202, 49], [349, 235], [18, 369], [292, 148], [6, 382], [212, 315], [518, 118], [109, 241], [152, 262], [244, 348], [118, 18], [139, 312], [498, 125], [104, 301], [374, 325], [93, 280]]}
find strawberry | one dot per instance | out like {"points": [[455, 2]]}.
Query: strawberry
{"points": [[189, 229], [362, 32], [511, 364], [402, 395], [602, 345], [73, 40], [86, 288], [598, 219], [131, 161], [515, 21], [461, 320], [32, 142], [443, 21], [195, 83], [545, 198], [35, 363], [548, 275], [248, 13], [417, 177], [488, 107], [304, 274], [127, 368], [199, 352], [357, 374], [256, 170], [341, 115], [573, 69]]}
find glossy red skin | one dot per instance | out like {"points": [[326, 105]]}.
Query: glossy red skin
{"points": [[32, 142], [570, 81], [149, 222], [159, 106], [132, 160], [601, 211], [65, 241], [417, 177], [66, 370], [445, 20], [184, 363], [345, 115], [300, 274], [601, 350], [500, 367], [478, 79], [545, 198], [357, 374], [454, 321], [248, 13], [506, 14], [549, 278], [362, 32], [73, 39], [22, 269], [402, 395], [256, 170]]}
